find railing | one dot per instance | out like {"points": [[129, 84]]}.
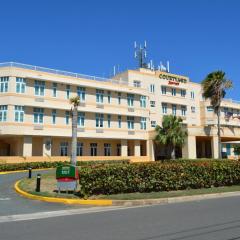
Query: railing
{"points": [[231, 100], [60, 72]]}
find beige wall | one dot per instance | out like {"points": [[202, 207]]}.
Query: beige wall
{"points": [[200, 123]]}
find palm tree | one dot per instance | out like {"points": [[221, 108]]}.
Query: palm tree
{"points": [[214, 88], [171, 133], [74, 101]]}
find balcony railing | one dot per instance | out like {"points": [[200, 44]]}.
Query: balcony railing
{"points": [[60, 72]]}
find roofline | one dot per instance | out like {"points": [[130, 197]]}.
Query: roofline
{"points": [[60, 72]]}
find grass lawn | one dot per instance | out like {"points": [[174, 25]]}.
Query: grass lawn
{"points": [[49, 183]]}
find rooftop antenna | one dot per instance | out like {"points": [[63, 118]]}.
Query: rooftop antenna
{"points": [[168, 68], [140, 54], [114, 70]]}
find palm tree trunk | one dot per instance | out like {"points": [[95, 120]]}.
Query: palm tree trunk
{"points": [[173, 156], [74, 136], [219, 133]]}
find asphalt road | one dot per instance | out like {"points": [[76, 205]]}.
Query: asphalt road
{"points": [[11, 203], [217, 219]]}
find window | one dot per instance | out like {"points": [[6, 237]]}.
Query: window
{"points": [[20, 85], [109, 120], [130, 122], [143, 101], [118, 149], [54, 115], [164, 108], [164, 90], [193, 109], [93, 149], [174, 109], [183, 93], [99, 96], [136, 83], [64, 148], [19, 113], [39, 88], [130, 100], [79, 149], [3, 113], [68, 90], [174, 91], [54, 89], [38, 115], [143, 123], [99, 120], [109, 96], [67, 116], [152, 103], [4, 84], [81, 119], [183, 110], [107, 149], [153, 124], [81, 92], [192, 95], [152, 88], [119, 98], [209, 108], [119, 121], [225, 110]]}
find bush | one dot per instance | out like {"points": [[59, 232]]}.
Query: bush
{"points": [[36, 165], [156, 176]]}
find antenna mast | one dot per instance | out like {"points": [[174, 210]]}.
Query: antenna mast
{"points": [[140, 54]]}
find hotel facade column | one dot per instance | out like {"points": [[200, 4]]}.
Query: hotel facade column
{"points": [[215, 147], [27, 146], [47, 146], [150, 150], [189, 150], [137, 148], [124, 148]]}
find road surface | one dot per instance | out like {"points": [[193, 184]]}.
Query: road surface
{"points": [[217, 219]]}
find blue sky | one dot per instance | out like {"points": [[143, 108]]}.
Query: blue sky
{"points": [[196, 36]]}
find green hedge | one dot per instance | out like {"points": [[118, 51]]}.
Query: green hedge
{"points": [[156, 176], [36, 165]]}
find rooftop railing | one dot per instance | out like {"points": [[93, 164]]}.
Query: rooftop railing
{"points": [[60, 72], [231, 100]]}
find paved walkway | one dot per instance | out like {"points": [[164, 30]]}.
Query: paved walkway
{"points": [[11, 203]]}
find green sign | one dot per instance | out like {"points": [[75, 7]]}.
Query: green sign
{"points": [[66, 171]]}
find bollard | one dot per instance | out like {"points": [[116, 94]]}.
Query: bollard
{"points": [[29, 172], [38, 183]]}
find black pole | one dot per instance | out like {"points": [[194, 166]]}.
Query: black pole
{"points": [[30, 173], [38, 184]]}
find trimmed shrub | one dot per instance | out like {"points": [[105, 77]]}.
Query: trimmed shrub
{"points": [[156, 176], [36, 165]]}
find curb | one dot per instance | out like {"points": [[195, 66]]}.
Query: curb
{"points": [[61, 200], [125, 203], [19, 171], [141, 202]]}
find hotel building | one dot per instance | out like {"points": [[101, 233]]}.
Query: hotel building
{"points": [[116, 117]]}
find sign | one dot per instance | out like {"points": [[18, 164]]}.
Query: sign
{"points": [[67, 171], [173, 79], [173, 83], [67, 177]]}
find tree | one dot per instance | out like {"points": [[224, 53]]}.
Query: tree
{"points": [[74, 101], [214, 88], [171, 133]]}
